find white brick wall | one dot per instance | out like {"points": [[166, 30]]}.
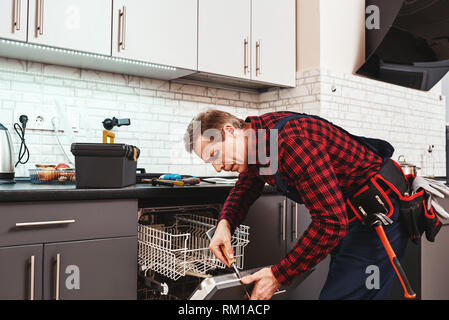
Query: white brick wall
{"points": [[160, 111], [410, 120]]}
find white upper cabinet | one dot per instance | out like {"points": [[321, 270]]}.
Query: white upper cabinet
{"points": [[274, 41], [248, 39], [224, 37], [13, 19], [156, 31], [83, 25]]}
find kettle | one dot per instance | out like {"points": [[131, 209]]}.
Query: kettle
{"points": [[6, 157], [408, 168]]}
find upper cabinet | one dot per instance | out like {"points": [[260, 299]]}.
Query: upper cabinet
{"points": [[248, 39], [82, 25], [224, 37], [13, 19], [274, 41], [156, 31], [249, 43]]}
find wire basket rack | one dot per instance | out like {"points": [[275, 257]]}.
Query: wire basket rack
{"points": [[183, 248]]}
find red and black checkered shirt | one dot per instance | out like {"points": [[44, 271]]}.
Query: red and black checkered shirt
{"points": [[321, 162]]}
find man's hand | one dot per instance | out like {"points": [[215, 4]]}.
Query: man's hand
{"points": [[266, 284], [222, 236]]}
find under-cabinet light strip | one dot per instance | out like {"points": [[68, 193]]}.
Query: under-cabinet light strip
{"points": [[90, 55]]}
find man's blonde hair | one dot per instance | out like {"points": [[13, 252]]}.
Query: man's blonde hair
{"points": [[210, 119]]}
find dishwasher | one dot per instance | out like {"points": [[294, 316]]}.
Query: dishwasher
{"points": [[174, 260]]}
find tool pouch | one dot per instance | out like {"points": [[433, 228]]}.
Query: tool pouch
{"points": [[411, 210], [432, 224], [416, 216], [369, 200]]}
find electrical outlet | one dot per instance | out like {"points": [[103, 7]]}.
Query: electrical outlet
{"points": [[42, 120]]}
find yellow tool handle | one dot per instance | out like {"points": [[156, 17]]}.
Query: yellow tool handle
{"points": [[229, 259], [108, 134], [175, 182]]}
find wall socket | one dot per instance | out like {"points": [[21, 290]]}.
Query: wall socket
{"points": [[42, 119]]}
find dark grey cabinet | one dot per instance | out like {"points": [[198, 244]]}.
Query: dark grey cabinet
{"points": [[266, 219], [276, 223], [426, 265], [94, 269], [310, 288], [68, 250], [21, 272]]}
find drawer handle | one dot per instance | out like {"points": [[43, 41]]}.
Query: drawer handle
{"points": [[32, 262], [43, 223], [58, 268]]}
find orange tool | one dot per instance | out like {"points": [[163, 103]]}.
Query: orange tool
{"points": [[408, 291]]}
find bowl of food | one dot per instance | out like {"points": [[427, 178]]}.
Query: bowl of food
{"points": [[53, 174]]}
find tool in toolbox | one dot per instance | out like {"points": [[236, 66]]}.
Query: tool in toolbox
{"points": [[231, 261]]}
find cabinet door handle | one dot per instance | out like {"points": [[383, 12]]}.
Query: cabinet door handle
{"points": [[296, 221], [43, 223], [258, 55], [32, 262], [58, 268], [15, 15], [245, 56], [39, 18], [121, 28], [284, 216]]}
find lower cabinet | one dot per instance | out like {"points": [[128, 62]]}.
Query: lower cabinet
{"points": [[92, 269], [276, 223], [21, 272], [68, 250], [95, 269]]}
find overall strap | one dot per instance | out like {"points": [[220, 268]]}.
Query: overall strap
{"points": [[378, 146], [282, 186]]}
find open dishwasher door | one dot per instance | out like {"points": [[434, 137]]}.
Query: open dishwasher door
{"points": [[229, 287]]}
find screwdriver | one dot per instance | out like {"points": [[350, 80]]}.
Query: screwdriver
{"points": [[232, 263]]}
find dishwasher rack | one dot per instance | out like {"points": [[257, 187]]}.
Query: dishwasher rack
{"points": [[183, 248]]}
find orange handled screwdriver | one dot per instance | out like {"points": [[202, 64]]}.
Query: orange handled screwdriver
{"points": [[408, 291], [231, 262]]}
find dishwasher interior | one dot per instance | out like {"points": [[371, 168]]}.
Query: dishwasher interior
{"points": [[173, 251]]}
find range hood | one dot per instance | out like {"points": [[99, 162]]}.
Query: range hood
{"points": [[78, 59], [411, 46]]}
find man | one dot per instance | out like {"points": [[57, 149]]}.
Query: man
{"points": [[318, 164]]}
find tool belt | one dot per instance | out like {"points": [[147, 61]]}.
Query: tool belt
{"points": [[372, 201]]}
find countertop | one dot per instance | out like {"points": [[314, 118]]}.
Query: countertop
{"points": [[24, 190]]}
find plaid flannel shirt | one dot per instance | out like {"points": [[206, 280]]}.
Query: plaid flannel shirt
{"points": [[320, 162]]}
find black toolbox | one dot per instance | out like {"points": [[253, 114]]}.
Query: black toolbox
{"points": [[105, 165]]}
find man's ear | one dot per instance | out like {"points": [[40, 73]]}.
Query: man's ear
{"points": [[229, 129]]}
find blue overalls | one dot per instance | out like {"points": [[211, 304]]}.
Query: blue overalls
{"points": [[360, 253]]}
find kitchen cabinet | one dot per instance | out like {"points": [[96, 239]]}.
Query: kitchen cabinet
{"points": [[81, 25], [248, 39], [94, 269], [156, 31], [69, 250], [13, 19], [266, 219], [426, 265], [21, 272], [310, 288], [273, 43], [224, 35], [276, 223]]}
